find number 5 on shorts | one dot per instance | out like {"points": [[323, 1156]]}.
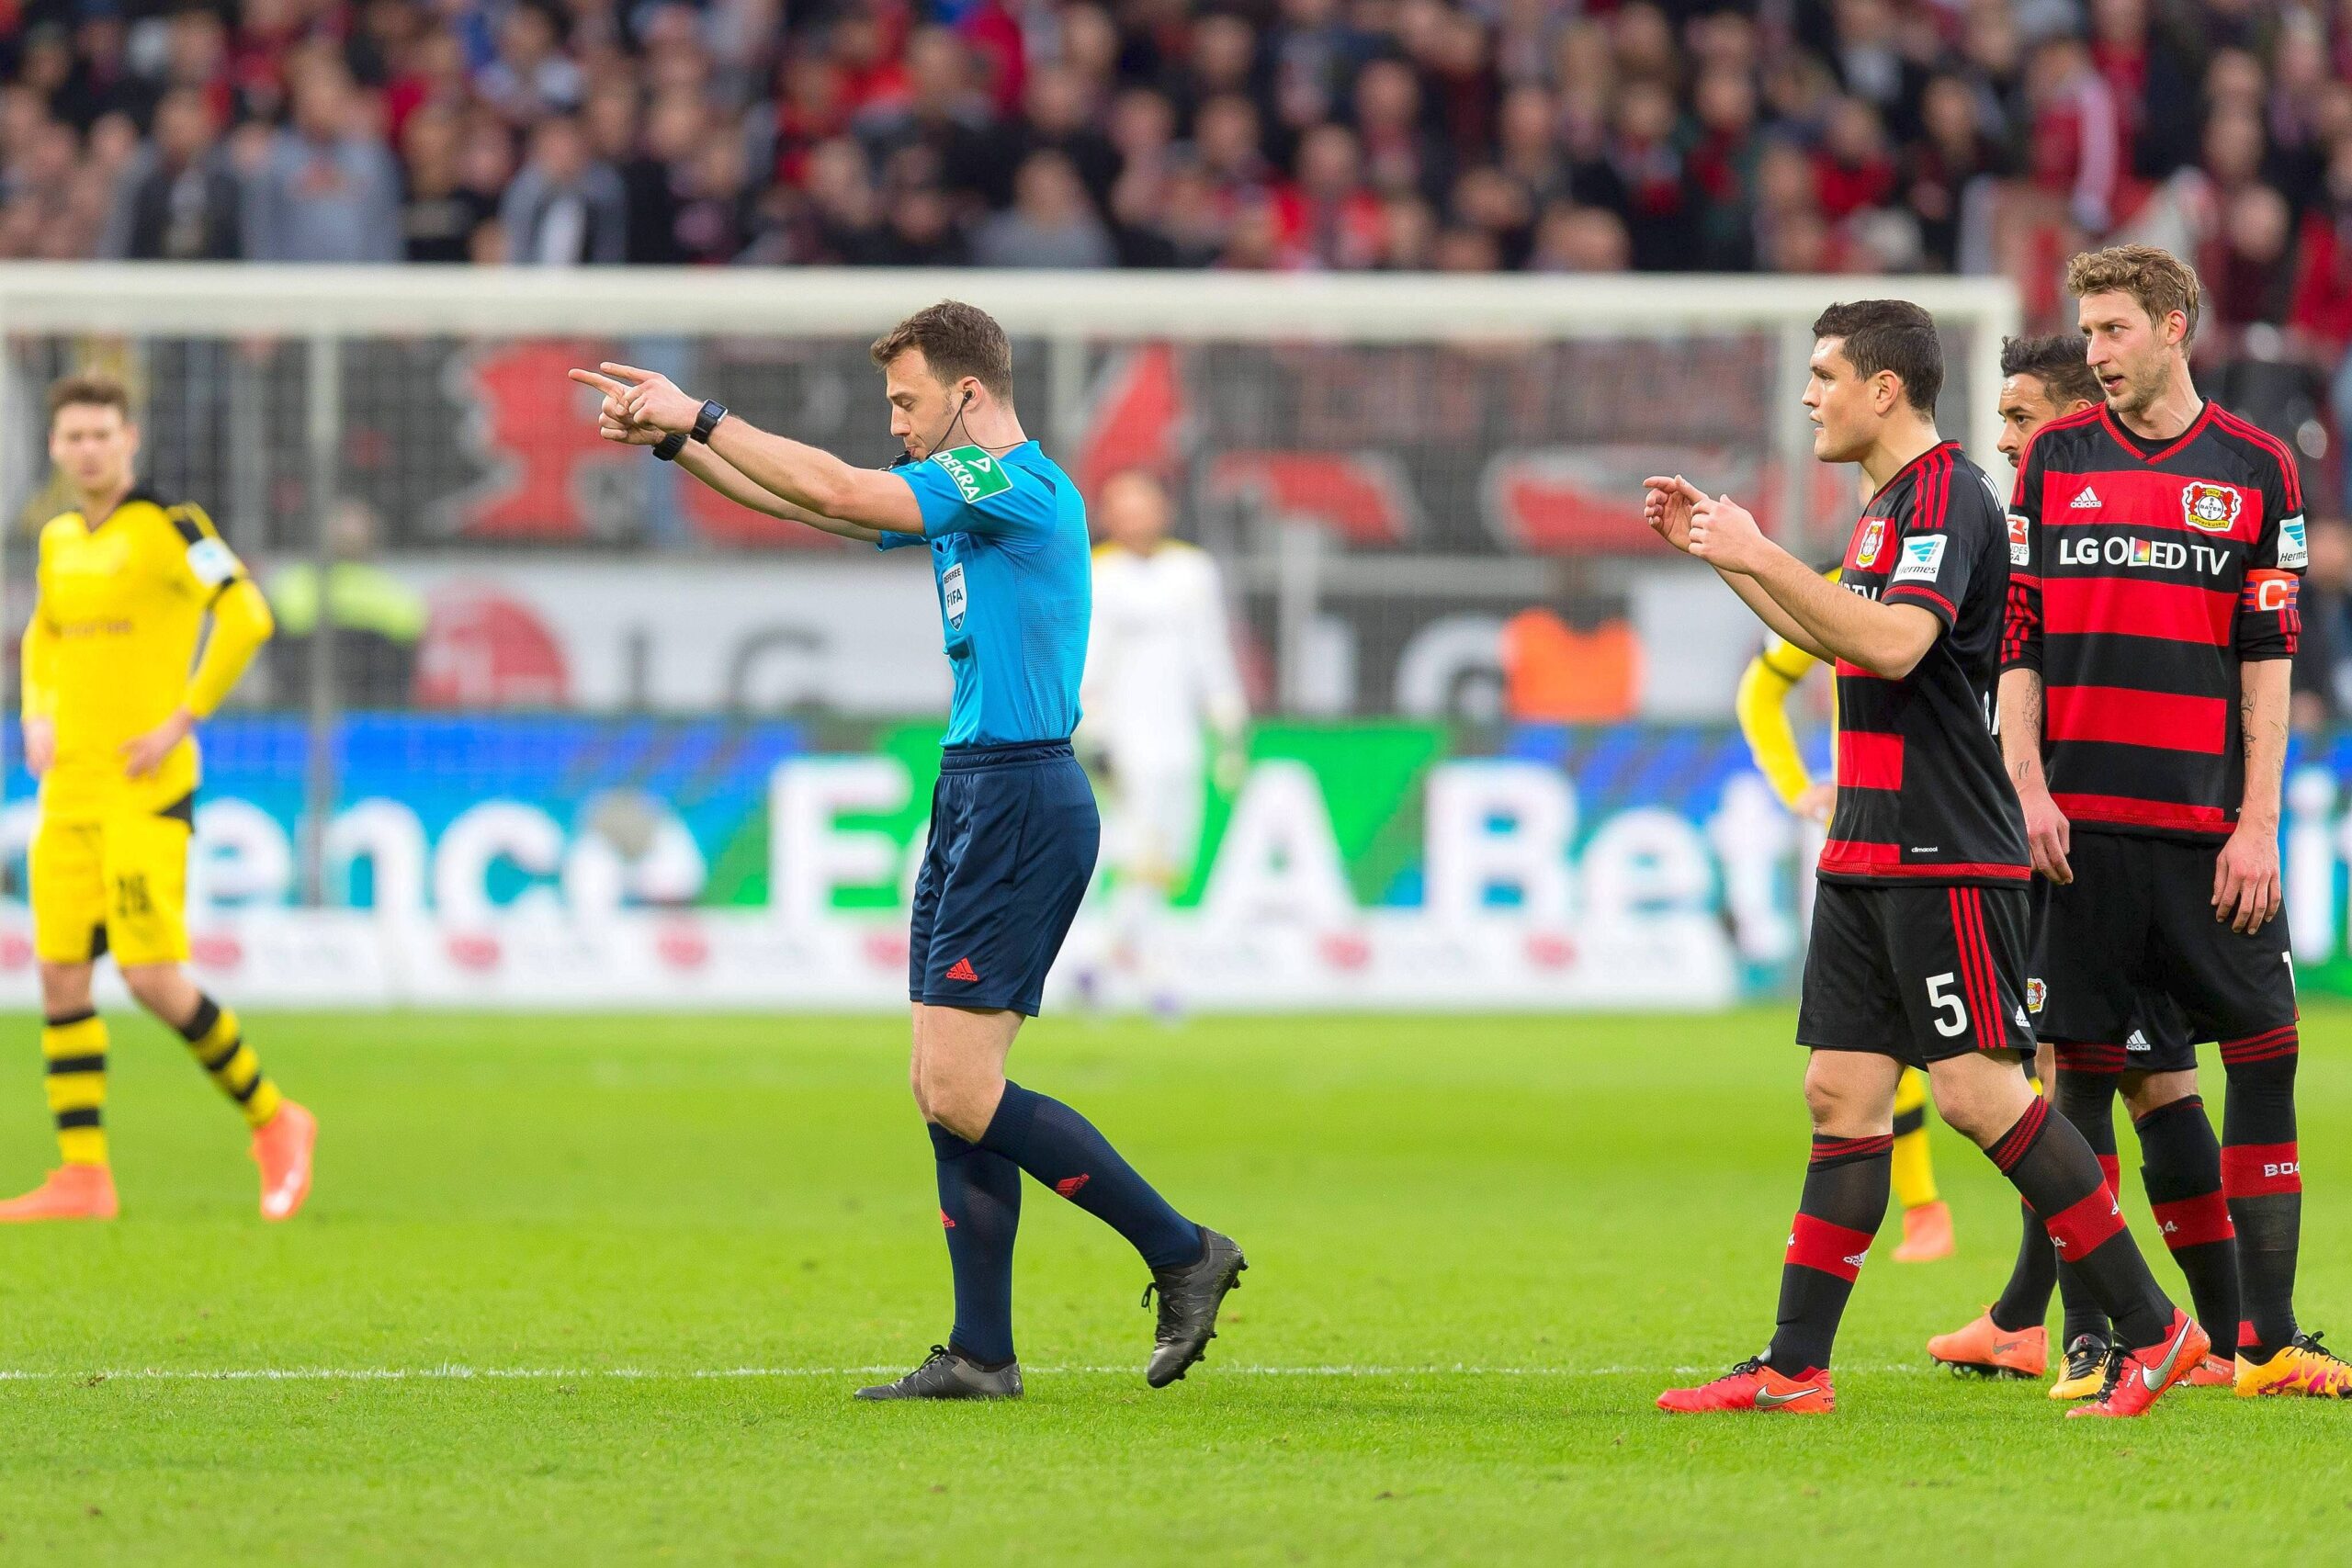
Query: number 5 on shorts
{"points": [[1952, 1013]]}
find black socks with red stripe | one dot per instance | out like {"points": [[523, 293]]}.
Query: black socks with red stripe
{"points": [[2025, 1300], [2085, 1096], [2181, 1169], [1845, 1199], [980, 1209], [1062, 1149], [2054, 1170], [2262, 1179]]}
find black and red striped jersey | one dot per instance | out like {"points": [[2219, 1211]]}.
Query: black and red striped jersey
{"points": [[2140, 581], [1921, 793]]}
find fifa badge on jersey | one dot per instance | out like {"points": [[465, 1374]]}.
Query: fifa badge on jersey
{"points": [[2211, 507], [976, 475], [2020, 542], [951, 595], [1922, 559], [1866, 543], [2294, 549], [2036, 993]]}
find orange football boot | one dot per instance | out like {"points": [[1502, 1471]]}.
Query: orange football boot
{"points": [[1752, 1385], [282, 1148], [2213, 1373], [2138, 1378], [1992, 1351], [2305, 1368], [1926, 1234], [69, 1192]]}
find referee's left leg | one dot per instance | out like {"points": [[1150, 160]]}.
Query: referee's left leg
{"points": [[1013, 840]]}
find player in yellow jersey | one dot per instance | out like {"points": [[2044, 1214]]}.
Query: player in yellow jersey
{"points": [[124, 584], [1764, 720]]}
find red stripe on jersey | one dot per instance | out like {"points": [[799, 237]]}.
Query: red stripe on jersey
{"points": [[2127, 811], [1918, 591], [1932, 499], [1868, 761], [1855, 857], [2133, 606], [2143, 500], [2288, 468], [2079, 1229], [2076, 421], [1833, 1249], [1855, 673], [2123, 717], [2257, 1170], [2194, 1221]]}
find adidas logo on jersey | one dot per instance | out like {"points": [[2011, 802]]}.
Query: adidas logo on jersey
{"points": [[2139, 1041], [2086, 501]]}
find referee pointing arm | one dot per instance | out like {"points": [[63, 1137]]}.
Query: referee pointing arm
{"points": [[1014, 828]]}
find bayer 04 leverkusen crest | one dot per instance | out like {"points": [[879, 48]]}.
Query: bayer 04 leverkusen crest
{"points": [[2211, 507]]}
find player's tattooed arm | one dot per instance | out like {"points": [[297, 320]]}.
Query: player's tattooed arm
{"points": [[2049, 836], [2246, 889]]}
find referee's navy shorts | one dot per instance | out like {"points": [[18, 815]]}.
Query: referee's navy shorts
{"points": [[1013, 835]]}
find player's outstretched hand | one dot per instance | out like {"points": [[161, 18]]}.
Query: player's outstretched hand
{"points": [[651, 398], [1724, 533], [2048, 835], [1666, 507], [614, 421], [2245, 879]]}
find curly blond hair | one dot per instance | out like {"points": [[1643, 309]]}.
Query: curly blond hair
{"points": [[2158, 279]]}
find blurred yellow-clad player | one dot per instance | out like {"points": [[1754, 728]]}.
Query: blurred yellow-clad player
{"points": [[1764, 720], [112, 692]]}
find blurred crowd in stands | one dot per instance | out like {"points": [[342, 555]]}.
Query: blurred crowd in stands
{"points": [[1561, 136]]}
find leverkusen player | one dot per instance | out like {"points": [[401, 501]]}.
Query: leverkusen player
{"points": [[2147, 652], [1918, 955]]}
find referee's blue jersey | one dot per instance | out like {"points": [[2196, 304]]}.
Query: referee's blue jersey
{"points": [[1015, 579]]}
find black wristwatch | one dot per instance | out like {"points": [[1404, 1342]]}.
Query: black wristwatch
{"points": [[708, 421], [670, 445]]}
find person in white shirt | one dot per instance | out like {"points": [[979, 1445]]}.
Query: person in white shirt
{"points": [[1160, 682]]}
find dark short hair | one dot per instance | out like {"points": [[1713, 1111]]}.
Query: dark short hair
{"points": [[957, 340], [1890, 335], [2056, 361], [87, 391]]}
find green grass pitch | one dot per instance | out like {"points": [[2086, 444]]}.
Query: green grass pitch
{"points": [[666, 1248]]}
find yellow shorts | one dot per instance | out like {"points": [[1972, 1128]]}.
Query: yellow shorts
{"points": [[117, 886]]}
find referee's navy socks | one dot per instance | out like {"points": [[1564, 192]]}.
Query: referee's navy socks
{"points": [[979, 1210], [1062, 1149]]}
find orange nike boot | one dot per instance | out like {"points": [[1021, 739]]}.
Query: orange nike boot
{"points": [[2135, 1380], [282, 1148], [1752, 1385], [69, 1192], [1991, 1351], [2213, 1373], [1926, 1234]]}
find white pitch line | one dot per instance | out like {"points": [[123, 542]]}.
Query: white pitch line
{"points": [[657, 1374]]}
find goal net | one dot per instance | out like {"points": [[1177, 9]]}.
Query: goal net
{"points": [[563, 727]]}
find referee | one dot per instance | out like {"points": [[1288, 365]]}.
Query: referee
{"points": [[1014, 828]]}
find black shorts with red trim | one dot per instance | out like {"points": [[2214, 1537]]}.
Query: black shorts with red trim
{"points": [[2135, 926], [1916, 973]]}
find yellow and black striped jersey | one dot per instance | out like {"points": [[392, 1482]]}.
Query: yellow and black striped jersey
{"points": [[119, 606]]}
